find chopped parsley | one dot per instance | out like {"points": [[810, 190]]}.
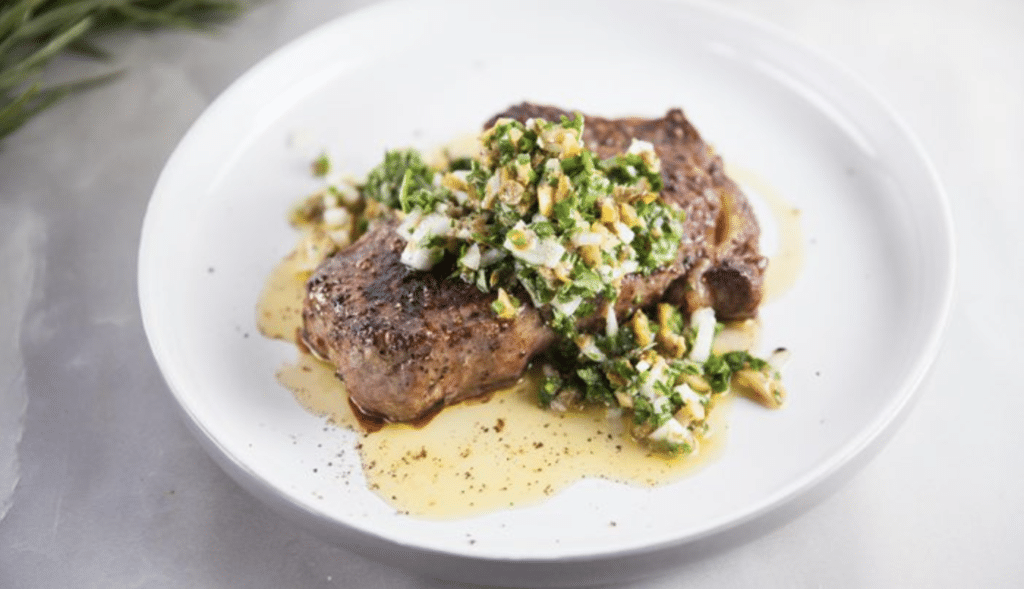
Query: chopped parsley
{"points": [[321, 166], [403, 181]]}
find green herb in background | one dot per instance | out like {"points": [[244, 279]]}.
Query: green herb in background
{"points": [[34, 32]]}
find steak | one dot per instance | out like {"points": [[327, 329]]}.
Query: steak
{"points": [[407, 342]]}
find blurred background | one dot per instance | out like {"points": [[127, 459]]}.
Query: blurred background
{"points": [[102, 485]]}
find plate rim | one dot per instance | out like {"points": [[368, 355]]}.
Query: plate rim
{"points": [[909, 389]]}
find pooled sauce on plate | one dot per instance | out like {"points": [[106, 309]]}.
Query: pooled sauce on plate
{"points": [[788, 259], [503, 451], [478, 456]]}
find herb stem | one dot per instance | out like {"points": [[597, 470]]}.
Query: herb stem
{"points": [[35, 32]]}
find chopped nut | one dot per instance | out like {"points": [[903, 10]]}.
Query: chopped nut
{"points": [[672, 344], [615, 379], [504, 306], [523, 172], [608, 212], [591, 255], [563, 189], [454, 182], [696, 382], [562, 272], [664, 317], [629, 216], [514, 135], [545, 200], [642, 329], [759, 387]]}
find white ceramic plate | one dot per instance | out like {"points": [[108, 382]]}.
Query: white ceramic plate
{"points": [[864, 320]]}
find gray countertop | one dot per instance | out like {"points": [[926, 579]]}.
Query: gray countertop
{"points": [[103, 485]]}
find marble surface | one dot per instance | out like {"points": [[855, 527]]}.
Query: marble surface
{"points": [[102, 484]]}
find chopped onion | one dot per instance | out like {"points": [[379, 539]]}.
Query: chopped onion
{"points": [[490, 256], [405, 228], [433, 225], [471, 259], [539, 252], [672, 432], [703, 321], [337, 217], [420, 258], [587, 238], [692, 404], [569, 307], [611, 322], [625, 233]]}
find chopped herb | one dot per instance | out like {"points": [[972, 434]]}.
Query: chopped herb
{"points": [[322, 166], [717, 372], [401, 181], [550, 387]]}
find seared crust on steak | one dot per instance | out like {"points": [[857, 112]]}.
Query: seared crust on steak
{"points": [[406, 342]]}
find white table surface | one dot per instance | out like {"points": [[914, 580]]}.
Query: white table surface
{"points": [[102, 485]]}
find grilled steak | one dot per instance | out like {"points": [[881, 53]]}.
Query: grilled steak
{"points": [[406, 342]]}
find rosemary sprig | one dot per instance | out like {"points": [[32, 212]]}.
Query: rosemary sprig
{"points": [[34, 32]]}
